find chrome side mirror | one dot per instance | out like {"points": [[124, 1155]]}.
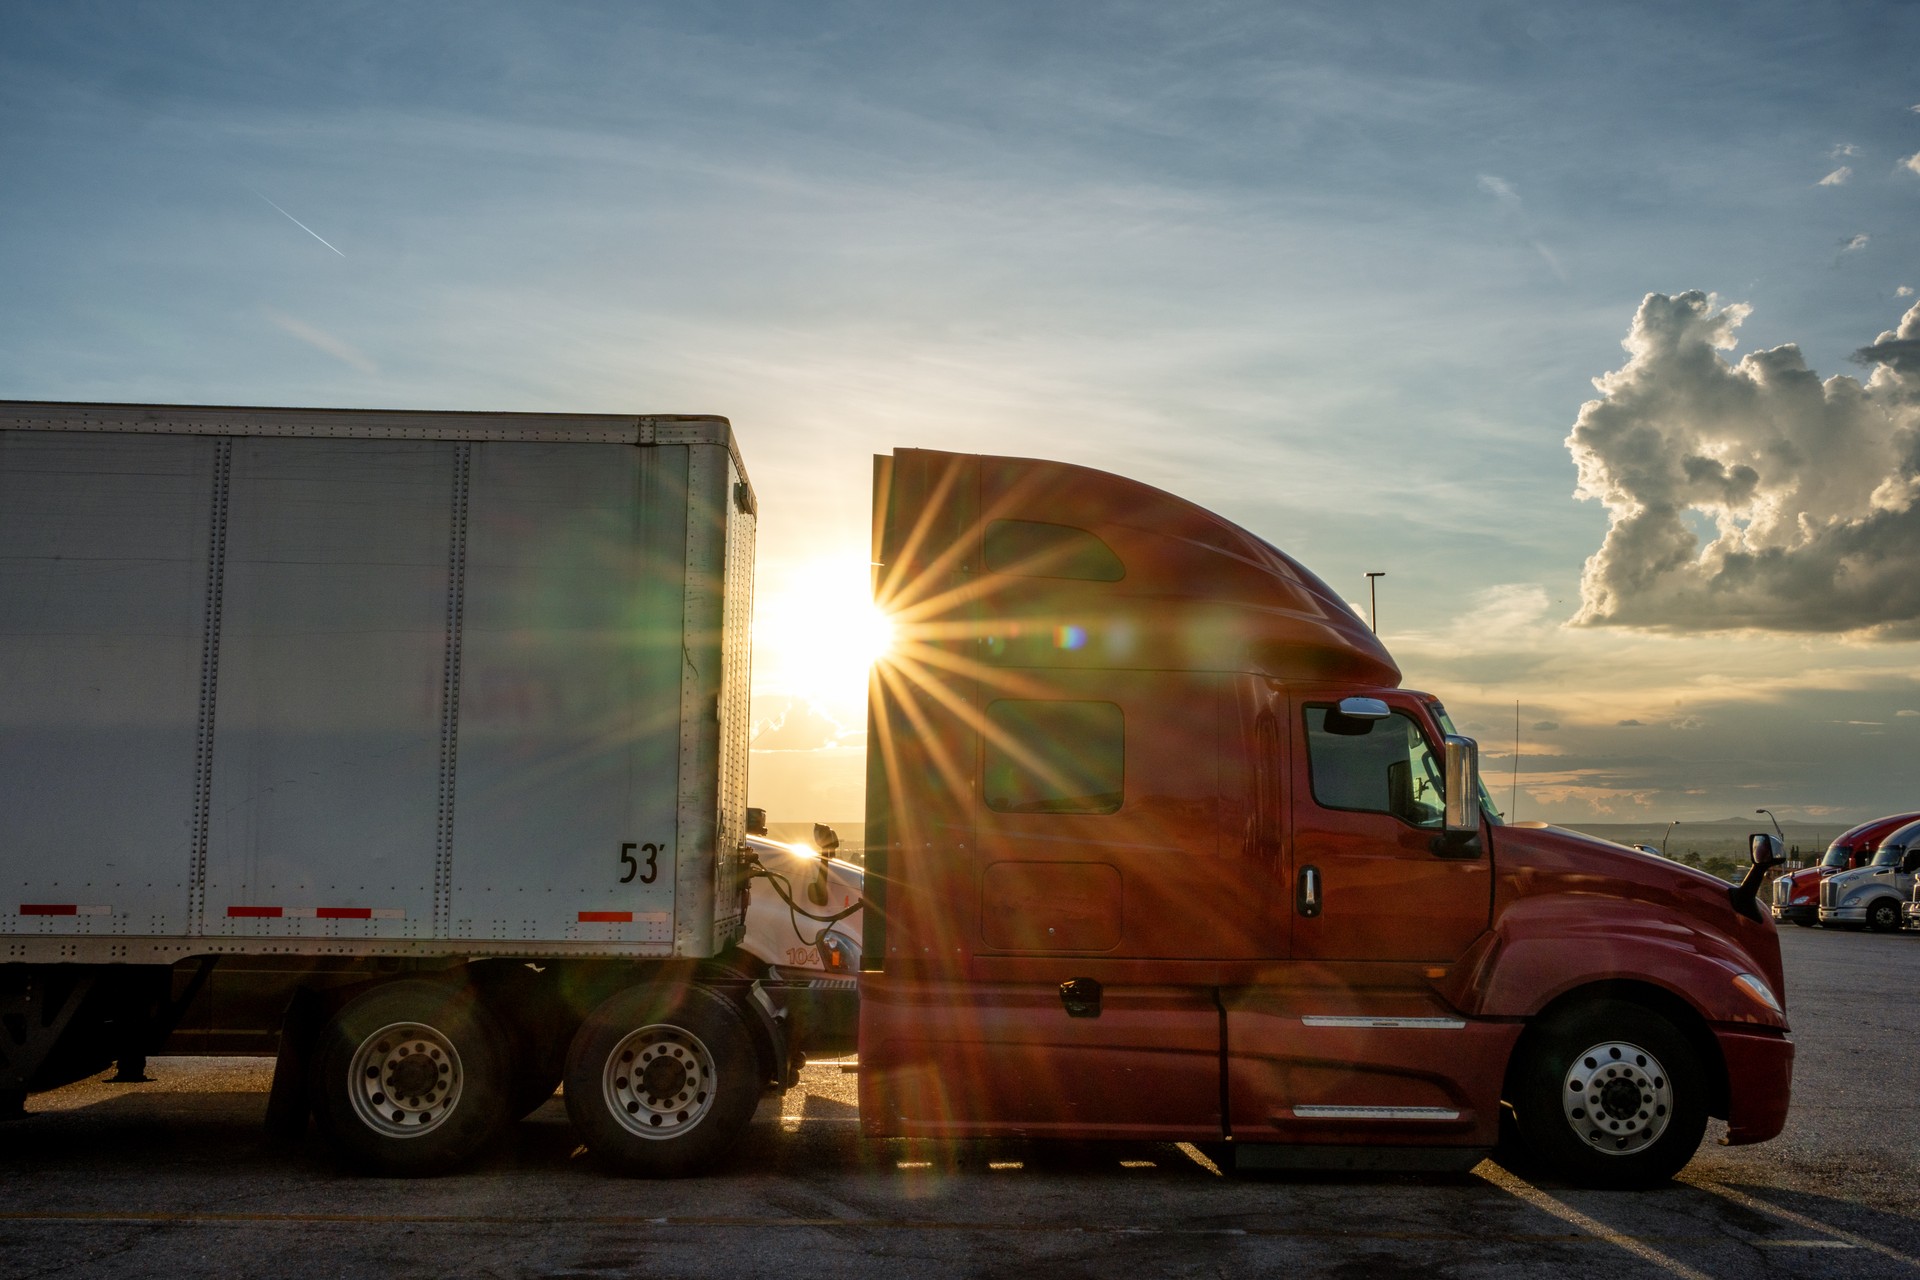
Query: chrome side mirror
{"points": [[1364, 709], [1764, 850], [1463, 782]]}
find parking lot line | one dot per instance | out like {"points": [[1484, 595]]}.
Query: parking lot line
{"points": [[1534, 1196], [1840, 1234]]}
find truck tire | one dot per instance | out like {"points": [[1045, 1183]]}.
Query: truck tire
{"points": [[1883, 915], [409, 1078], [662, 1080], [1609, 1094]]}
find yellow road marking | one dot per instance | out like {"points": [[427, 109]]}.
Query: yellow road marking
{"points": [[1530, 1194], [1760, 1206]]}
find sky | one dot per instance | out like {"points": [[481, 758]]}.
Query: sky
{"points": [[1582, 323]]}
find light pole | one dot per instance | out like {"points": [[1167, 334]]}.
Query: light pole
{"points": [[1665, 834], [1776, 824], [1373, 601]]}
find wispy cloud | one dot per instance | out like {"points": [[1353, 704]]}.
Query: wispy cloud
{"points": [[1911, 163], [1837, 178], [320, 340], [1855, 242], [1843, 150]]}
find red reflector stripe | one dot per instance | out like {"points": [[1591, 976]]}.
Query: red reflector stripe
{"points": [[344, 913], [606, 917], [49, 909], [267, 913]]}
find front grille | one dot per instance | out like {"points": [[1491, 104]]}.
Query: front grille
{"points": [[1780, 892], [1826, 893]]}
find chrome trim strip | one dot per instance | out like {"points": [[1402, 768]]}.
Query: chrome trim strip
{"points": [[1416, 1024], [1374, 1113]]}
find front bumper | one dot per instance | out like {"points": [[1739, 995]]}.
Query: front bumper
{"points": [[1843, 915], [1910, 914], [1795, 913], [1759, 1084]]}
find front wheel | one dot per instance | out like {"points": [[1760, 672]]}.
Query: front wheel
{"points": [[1609, 1094], [1883, 916], [409, 1077], [661, 1081]]}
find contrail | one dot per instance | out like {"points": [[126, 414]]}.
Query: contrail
{"points": [[296, 222]]}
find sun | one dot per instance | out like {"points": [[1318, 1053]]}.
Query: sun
{"points": [[816, 630]]}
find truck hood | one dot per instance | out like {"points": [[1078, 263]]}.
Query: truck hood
{"points": [[1846, 880], [1617, 888]]}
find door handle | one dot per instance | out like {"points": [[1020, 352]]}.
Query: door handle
{"points": [[1306, 897]]}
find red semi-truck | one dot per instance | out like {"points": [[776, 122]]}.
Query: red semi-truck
{"points": [[411, 746], [1158, 848]]}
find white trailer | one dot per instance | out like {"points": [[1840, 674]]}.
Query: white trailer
{"points": [[413, 744]]}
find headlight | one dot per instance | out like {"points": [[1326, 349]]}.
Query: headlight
{"points": [[1756, 986]]}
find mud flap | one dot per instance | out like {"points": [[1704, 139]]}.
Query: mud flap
{"points": [[290, 1101]]}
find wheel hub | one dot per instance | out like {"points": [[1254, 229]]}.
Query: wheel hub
{"points": [[1617, 1097], [659, 1082], [405, 1080]]}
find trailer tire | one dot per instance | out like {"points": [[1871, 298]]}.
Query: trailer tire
{"points": [[1609, 1094], [1883, 915], [662, 1080], [443, 1057]]}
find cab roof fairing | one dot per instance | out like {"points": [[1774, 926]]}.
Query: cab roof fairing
{"points": [[1198, 592]]}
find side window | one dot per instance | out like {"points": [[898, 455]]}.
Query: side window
{"points": [[1034, 549], [1054, 757], [1378, 766]]}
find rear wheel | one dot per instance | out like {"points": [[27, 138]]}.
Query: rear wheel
{"points": [[661, 1082], [1883, 915], [1609, 1094], [408, 1078]]}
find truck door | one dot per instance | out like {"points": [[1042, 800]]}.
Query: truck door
{"points": [[1376, 878], [1348, 1043]]}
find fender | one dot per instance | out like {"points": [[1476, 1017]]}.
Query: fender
{"points": [[1571, 912]]}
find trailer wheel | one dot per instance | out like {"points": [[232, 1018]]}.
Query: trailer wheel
{"points": [[1883, 915], [660, 1082], [1609, 1094], [409, 1078]]}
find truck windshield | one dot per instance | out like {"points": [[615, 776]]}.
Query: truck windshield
{"points": [[1486, 798], [1889, 855], [1836, 859]]}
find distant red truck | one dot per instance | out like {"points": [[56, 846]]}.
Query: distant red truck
{"points": [[1796, 896]]}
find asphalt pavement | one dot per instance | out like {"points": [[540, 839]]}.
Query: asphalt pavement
{"points": [[177, 1177]]}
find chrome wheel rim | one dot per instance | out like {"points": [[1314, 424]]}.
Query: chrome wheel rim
{"points": [[405, 1080], [1617, 1097], [659, 1082]]}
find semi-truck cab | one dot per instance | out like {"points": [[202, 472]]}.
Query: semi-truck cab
{"points": [[1796, 894], [1158, 848]]}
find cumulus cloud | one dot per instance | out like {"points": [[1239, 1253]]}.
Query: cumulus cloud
{"points": [[1911, 163], [1904, 291], [1836, 178], [1810, 490]]}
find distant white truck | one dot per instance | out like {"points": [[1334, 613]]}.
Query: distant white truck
{"points": [[419, 737]]}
